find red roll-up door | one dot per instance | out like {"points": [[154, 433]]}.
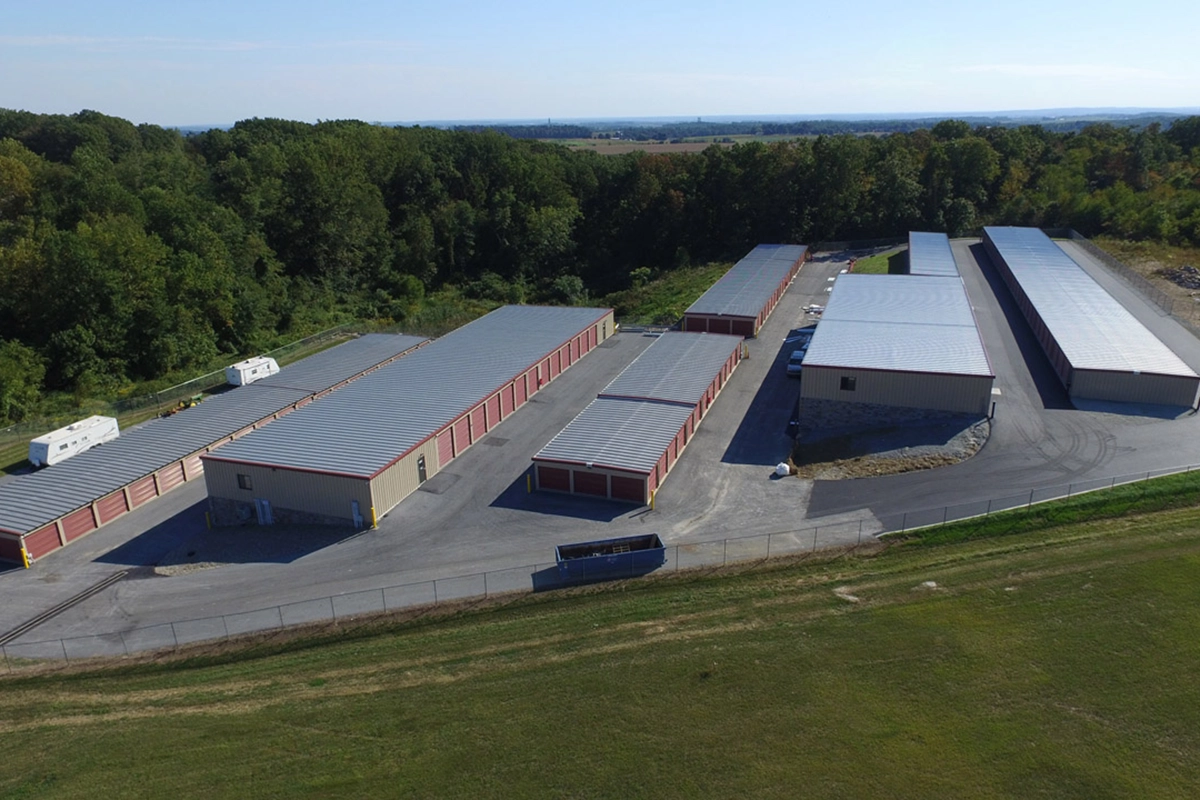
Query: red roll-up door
{"points": [[694, 324], [507, 403], [445, 447], [741, 327], [77, 523], [42, 541], [462, 439], [555, 365], [10, 549], [522, 389], [478, 426], [493, 411], [194, 466], [141, 491], [554, 478], [170, 477], [594, 483], [630, 489], [111, 507]]}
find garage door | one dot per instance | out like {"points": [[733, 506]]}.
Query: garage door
{"points": [[591, 483], [493, 411], [478, 428], [78, 523], [506, 401], [522, 389], [555, 365], [554, 478], [631, 489], [10, 549], [170, 477], [462, 439], [42, 541], [445, 444], [742, 327], [194, 466], [141, 491], [111, 507]]}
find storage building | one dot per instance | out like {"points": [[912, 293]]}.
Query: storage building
{"points": [[899, 340], [353, 457], [930, 254], [51, 508], [740, 302], [625, 442], [1099, 350]]}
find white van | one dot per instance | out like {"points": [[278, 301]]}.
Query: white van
{"points": [[59, 445], [251, 370]]}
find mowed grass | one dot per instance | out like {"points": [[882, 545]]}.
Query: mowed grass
{"points": [[663, 300], [1057, 663], [878, 264]]}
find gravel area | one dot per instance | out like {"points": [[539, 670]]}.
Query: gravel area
{"points": [[251, 544], [854, 440]]}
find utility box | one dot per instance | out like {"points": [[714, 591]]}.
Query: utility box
{"points": [[251, 370], [607, 559], [51, 448]]}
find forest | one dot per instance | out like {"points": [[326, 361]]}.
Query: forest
{"points": [[132, 252]]}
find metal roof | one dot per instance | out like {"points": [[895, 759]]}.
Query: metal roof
{"points": [[29, 501], [1093, 330], [930, 254], [744, 290], [677, 367], [363, 428], [618, 432], [900, 323]]}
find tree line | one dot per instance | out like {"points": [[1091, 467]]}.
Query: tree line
{"points": [[130, 252]]}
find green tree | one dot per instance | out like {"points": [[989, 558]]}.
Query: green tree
{"points": [[21, 373]]}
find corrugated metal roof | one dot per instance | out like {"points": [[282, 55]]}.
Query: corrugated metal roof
{"points": [[677, 367], [30, 501], [619, 433], [361, 429], [749, 284], [330, 367], [1093, 330], [930, 254], [901, 323]]}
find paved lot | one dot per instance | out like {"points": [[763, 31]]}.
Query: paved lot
{"points": [[477, 515]]}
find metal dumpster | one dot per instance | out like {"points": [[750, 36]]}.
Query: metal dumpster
{"points": [[606, 559]]}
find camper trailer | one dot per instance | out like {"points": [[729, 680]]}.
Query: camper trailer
{"points": [[59, 445], [251, 370]]}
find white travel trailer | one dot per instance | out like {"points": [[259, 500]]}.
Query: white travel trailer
{"points": [[251, 370], [59, 445]]}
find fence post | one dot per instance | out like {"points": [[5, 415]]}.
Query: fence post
{"points": [[724, 552], [1030, 504], [815, 538], [7, 666], [435, 591], [63, 644], [279, 611], [768, 545], [225, 625], [860, 531], [124, 643], [988, 513], [383, 599], [904, 522], [945, 513], [332, 609], [485, 588], [174, 636]]}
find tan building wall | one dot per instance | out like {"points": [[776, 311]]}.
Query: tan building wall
{"points": [[290, 490], [401, 479], [1127, 387], [968, 394]]}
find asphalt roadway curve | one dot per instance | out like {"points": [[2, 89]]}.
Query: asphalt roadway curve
{"points": [[476, 515]]}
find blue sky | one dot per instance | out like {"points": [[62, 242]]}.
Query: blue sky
{"points": [[184, 62]]}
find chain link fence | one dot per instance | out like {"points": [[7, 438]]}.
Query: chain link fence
{"points": [[849, 535]]}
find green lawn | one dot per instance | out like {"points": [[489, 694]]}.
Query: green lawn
{"points": [[663, 300], [1055, 663], [878, 264]]}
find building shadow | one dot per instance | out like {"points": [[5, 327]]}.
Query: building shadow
{"points": [[595, 509], [762, 437], [1045, 380], [185, 540]]}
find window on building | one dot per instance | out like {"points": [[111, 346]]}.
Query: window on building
{"points": [[244, 482], [848, 383]]}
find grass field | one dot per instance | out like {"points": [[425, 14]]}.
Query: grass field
{"points": [[1056, 663], [663, 300], [878, 263]]}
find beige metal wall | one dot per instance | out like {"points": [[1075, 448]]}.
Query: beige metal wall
{"points": [[309, 492], [401, 479], [970, 394], [1126, 387]]}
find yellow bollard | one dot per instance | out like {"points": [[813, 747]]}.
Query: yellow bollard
{"points": [[528, 483], [208, 520], [652, 494], [374, 519], [25, 557]]}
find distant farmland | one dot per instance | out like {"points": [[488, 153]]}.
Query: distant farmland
{"points": [[616, 147]]}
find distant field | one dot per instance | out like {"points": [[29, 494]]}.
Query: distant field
{"points": [[691, 145], [1058, 663]]}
